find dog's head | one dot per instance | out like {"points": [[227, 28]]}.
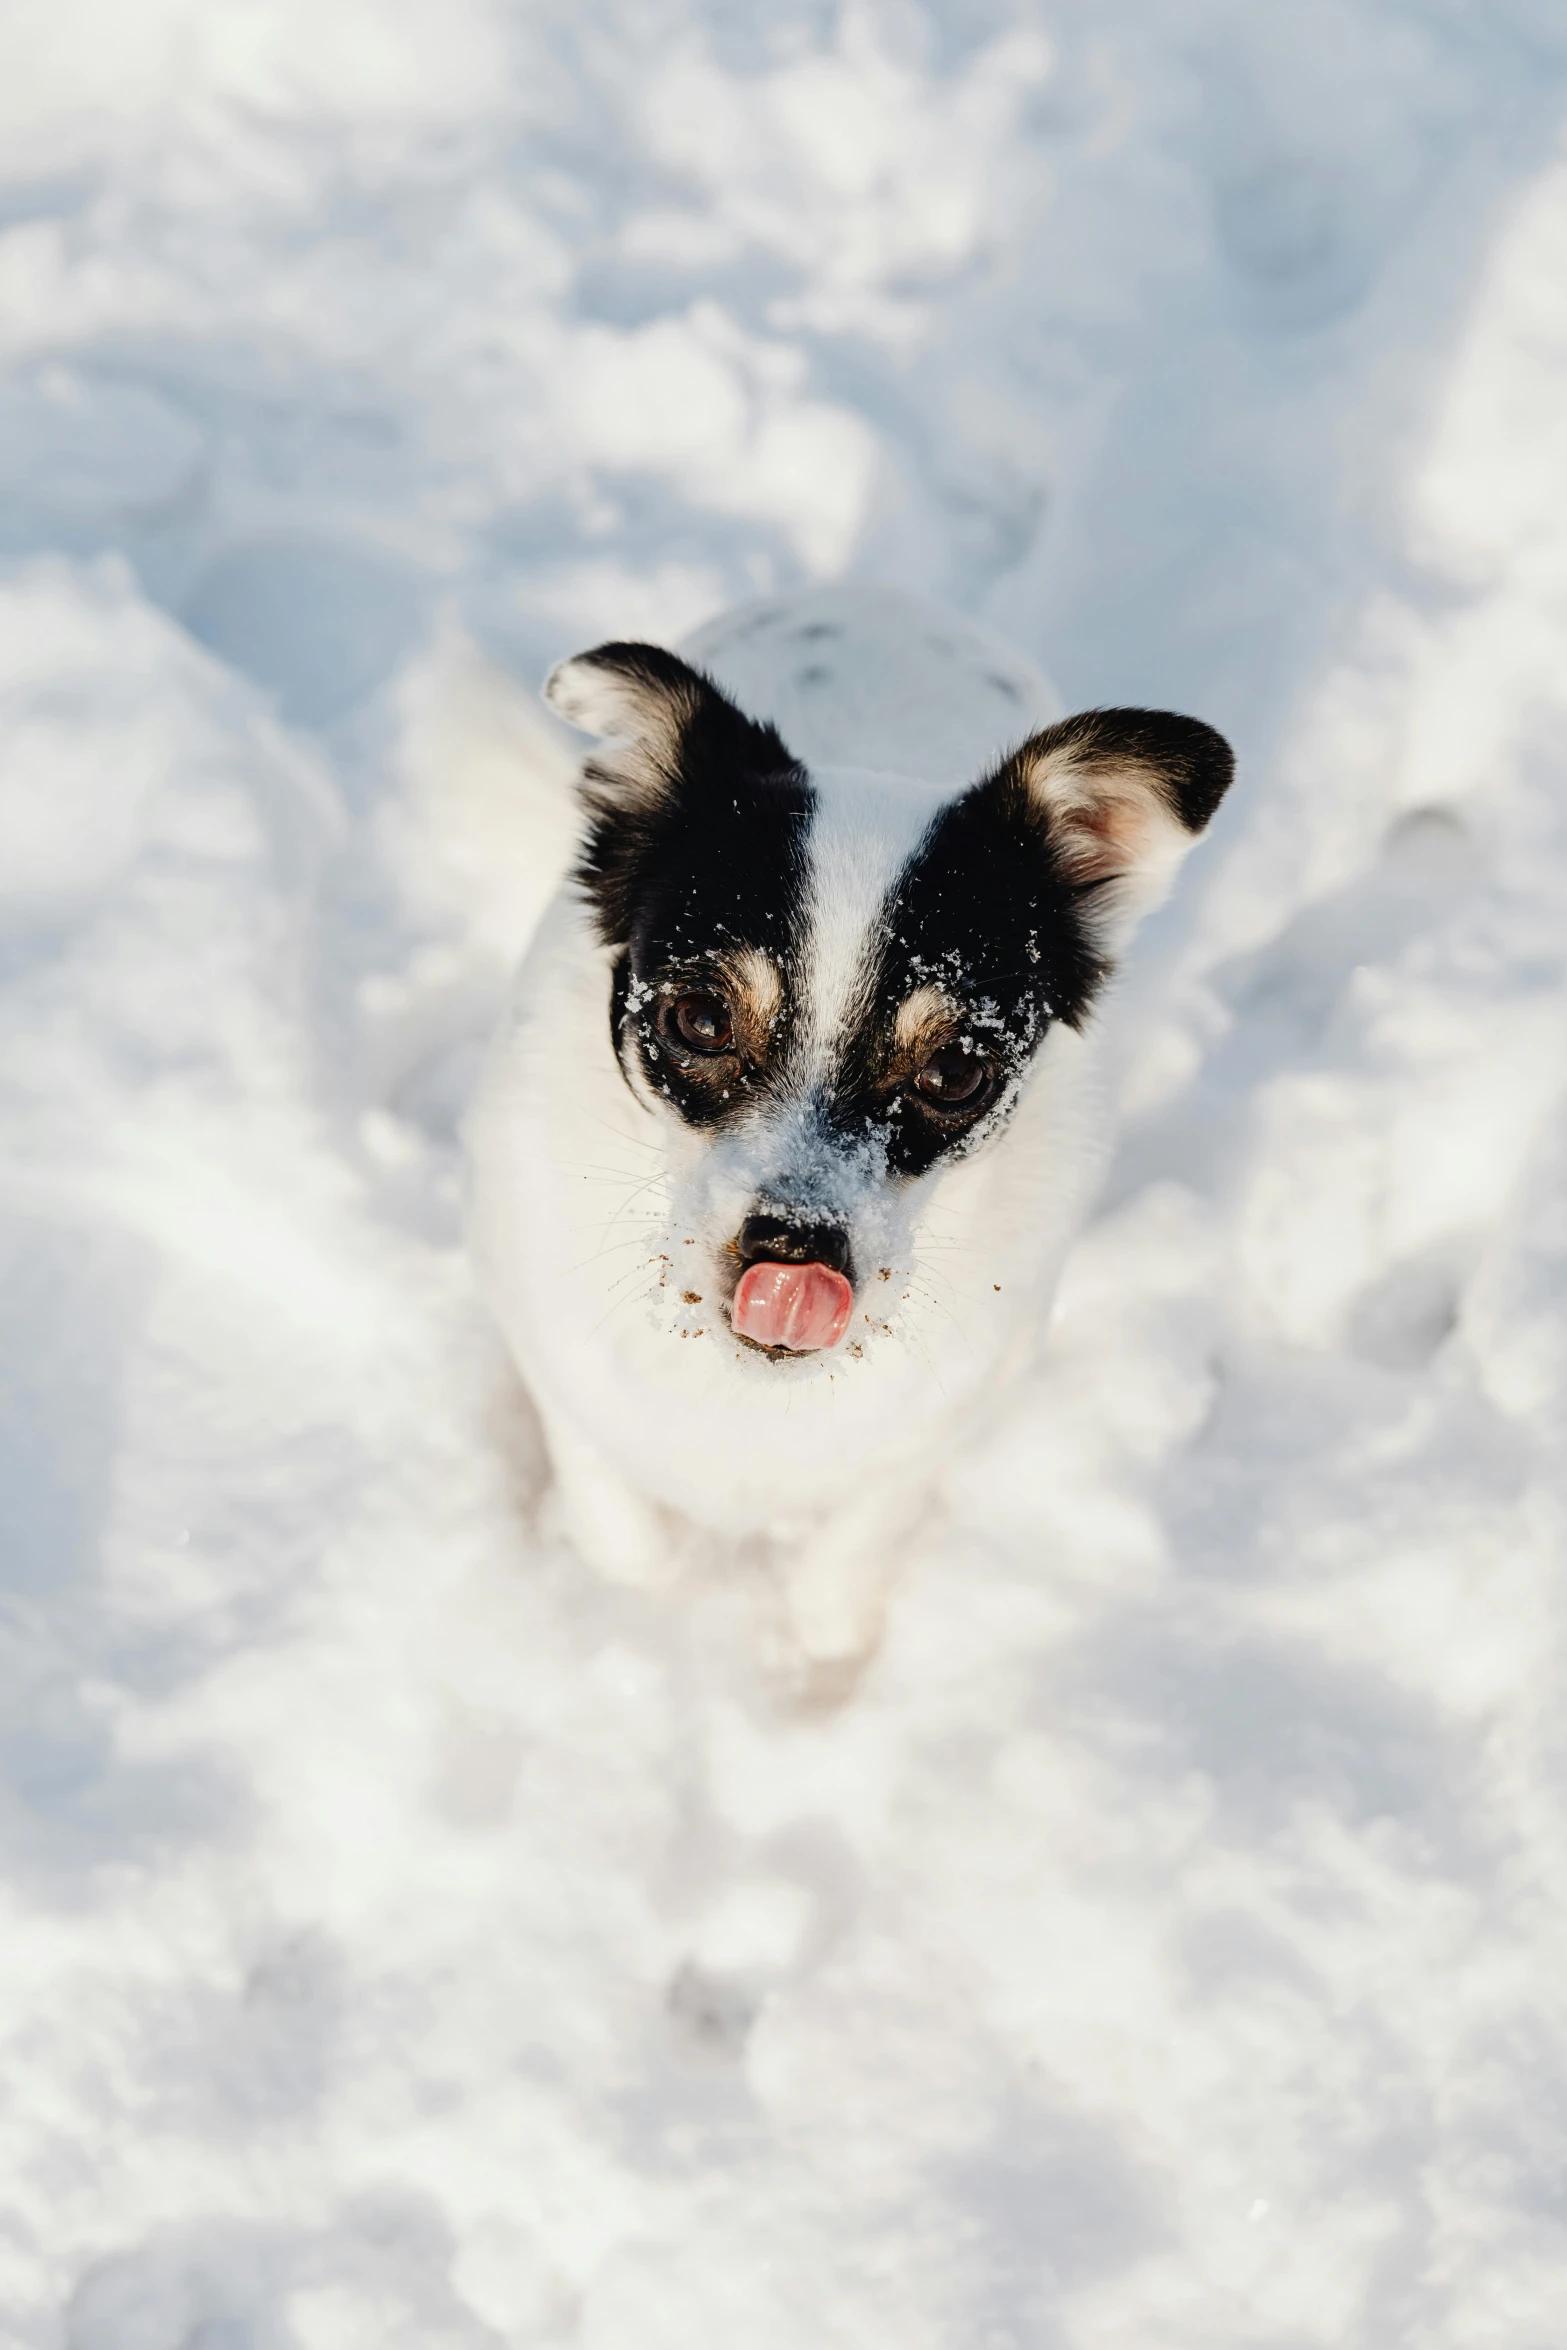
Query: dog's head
{"points": [[833, 985]]}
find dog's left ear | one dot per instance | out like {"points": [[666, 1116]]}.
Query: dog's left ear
{"points": [[1124, 794]]}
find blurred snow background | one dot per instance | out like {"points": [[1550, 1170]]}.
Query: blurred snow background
{"points": [[404, 1941]]}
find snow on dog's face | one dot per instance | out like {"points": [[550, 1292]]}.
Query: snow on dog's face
{"points": [[833, 985]]}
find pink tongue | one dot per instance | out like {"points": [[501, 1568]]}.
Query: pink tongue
{"points": [[799, 1306]]}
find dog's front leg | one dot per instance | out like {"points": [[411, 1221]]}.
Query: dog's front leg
{"points": [[611, 1527], [837, 1580]]}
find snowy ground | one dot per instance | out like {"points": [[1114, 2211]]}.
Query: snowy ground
{"points": [[407, 1944]]}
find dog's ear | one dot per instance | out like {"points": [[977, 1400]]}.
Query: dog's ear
{"points": [[1123, 794], [670, 738], [655, 714], [642, 701]]}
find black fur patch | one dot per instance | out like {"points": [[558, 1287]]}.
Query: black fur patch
{"points": [[987, 911], [983, 912], [709, 861], [720, 775]]}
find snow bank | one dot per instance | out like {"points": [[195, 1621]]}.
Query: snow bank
{"points": [[405, 1941]]}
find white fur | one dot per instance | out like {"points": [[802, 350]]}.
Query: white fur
{"points": [[598, 1217], [866, 827]]}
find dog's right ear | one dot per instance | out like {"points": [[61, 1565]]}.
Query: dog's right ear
{"points": [[643, 701], [669, 737], [659, 719]]}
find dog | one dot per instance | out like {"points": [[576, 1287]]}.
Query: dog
{"points": [[794, 1112]]}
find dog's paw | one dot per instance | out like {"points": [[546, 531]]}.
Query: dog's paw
{"points": [[621, 1548], [821, 1684], [815, 1656]]}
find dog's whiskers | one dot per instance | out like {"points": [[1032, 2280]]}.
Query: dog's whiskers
{"points": [[631, 1273], [611, 1248], [632, 1298]]}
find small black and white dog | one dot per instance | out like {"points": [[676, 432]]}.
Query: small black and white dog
{"points": [[776, 1158]]}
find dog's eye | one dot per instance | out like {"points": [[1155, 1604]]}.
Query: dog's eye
{"points": [[953, 1079], [699, 1023]]}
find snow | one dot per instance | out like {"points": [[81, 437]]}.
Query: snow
{"points": [[406, 1940]]}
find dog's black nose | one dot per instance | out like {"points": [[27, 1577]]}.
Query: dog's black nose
{"points": [[773, 1240]]}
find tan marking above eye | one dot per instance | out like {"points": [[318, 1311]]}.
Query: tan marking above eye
{"points": [[925, 1021], [753, 985]]}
